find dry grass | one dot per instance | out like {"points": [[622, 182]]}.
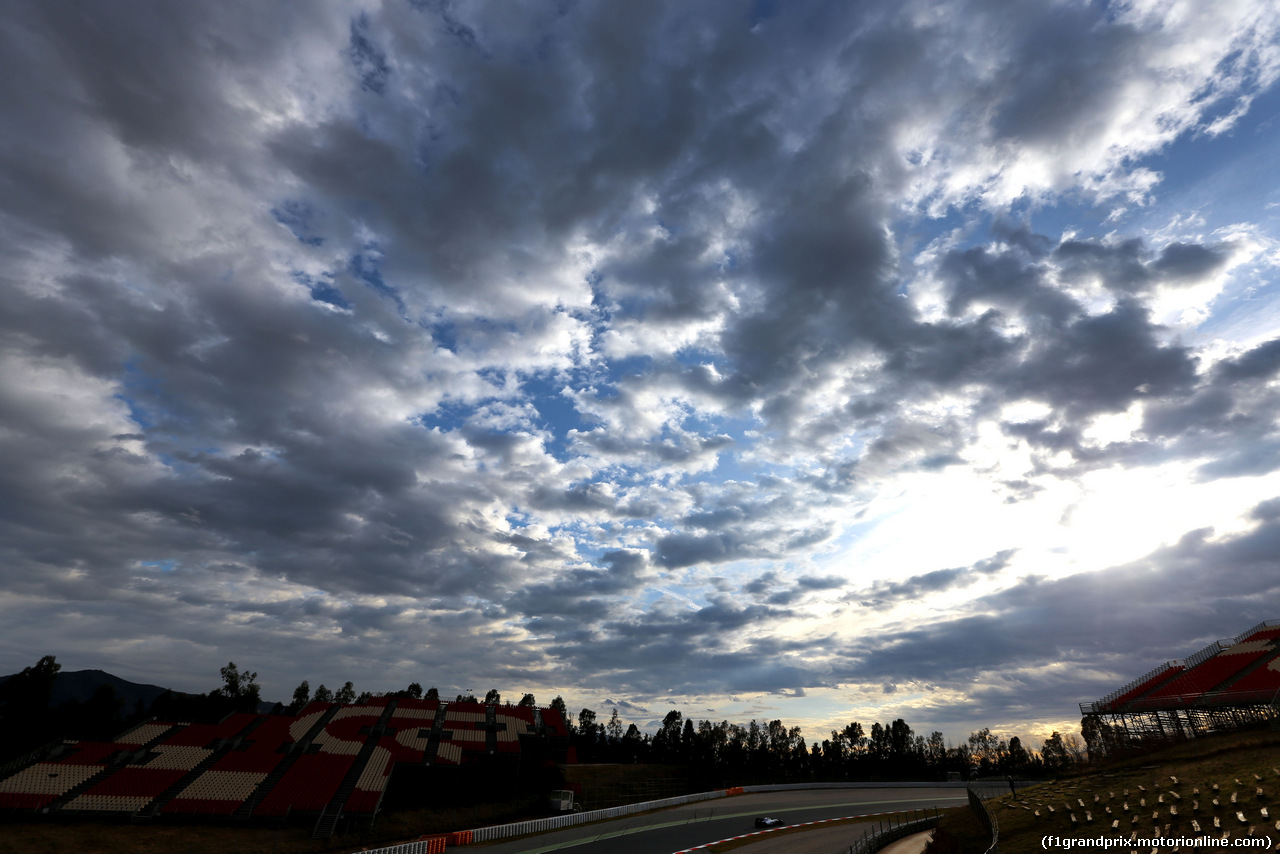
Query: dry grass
{"points": [[121, 837], [1222, 759]]}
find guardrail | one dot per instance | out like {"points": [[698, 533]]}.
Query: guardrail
{"points": [[422, 846], [988, 819], [541, 825], [787, 787], [873, 840]]}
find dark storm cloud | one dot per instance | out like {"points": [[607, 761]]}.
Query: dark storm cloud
{"points": [[1009, 280], [1129, 267], [884, 593], [1102, 363], [580, 594], [1081, 364], [779, 591]]}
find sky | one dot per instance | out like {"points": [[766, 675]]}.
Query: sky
{"points": [[806, 361]]}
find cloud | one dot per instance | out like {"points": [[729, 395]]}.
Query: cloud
{"points": [[884, 593], [1023, 639]]}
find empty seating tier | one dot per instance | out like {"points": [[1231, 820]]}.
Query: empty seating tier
{"points": [[1238, 671], [271, 765]]}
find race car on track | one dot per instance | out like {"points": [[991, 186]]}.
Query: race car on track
{"points": [[766, 821]]}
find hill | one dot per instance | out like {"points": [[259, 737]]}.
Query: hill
{"points": [[1168, 792], [79, 685]]}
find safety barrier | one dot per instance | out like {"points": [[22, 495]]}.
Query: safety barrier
{"points": [[788, 787], [540, 825], [433, 845], [873, 840], [987, 818]]}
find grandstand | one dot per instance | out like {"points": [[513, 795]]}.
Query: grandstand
{"points": [[330, 760], [1229, 684]]}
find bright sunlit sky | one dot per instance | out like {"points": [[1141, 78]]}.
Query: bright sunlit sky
{"points": [[799, 360]]}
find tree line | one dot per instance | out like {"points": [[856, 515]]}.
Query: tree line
{"points": [[756, 751], [773, 752]]}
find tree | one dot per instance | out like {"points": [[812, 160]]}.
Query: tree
{"points": [[28, 721], [1054, 752], [432, 694], [963, 758], [1098, 737], [528, 701], [666, 742], [935, 749], [493, 697], [1018, 758], [879, 744], [414, 691], [240, 688], [614, 727], [985, 748], [835, 753], [559, 706], [901, 740], [1075, 749], [301, 696], [346, 694], [854, 736], [632, 743], [323, 695], [26, 695], [236, 684], [587, 724]]}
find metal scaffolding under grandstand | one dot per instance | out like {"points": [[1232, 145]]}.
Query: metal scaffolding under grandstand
{"points": [[1231, 684]]}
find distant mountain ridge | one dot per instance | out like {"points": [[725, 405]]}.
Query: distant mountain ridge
{"points": [[79, 685]]}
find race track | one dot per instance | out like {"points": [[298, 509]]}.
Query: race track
{"points": [[682, 827]]}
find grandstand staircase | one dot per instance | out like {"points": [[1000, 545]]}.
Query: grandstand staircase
{"points": [[1256, 665], [328, 821], [491, 727], [434, 738], [245, 810], [225, 746], [117, 761]]}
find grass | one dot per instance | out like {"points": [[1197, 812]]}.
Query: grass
{"points": [[113, 836], [121, 837], [1144, 786], [610, 785]]}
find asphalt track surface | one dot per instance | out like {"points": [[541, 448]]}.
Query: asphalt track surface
{"points": [[678, 828]]}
